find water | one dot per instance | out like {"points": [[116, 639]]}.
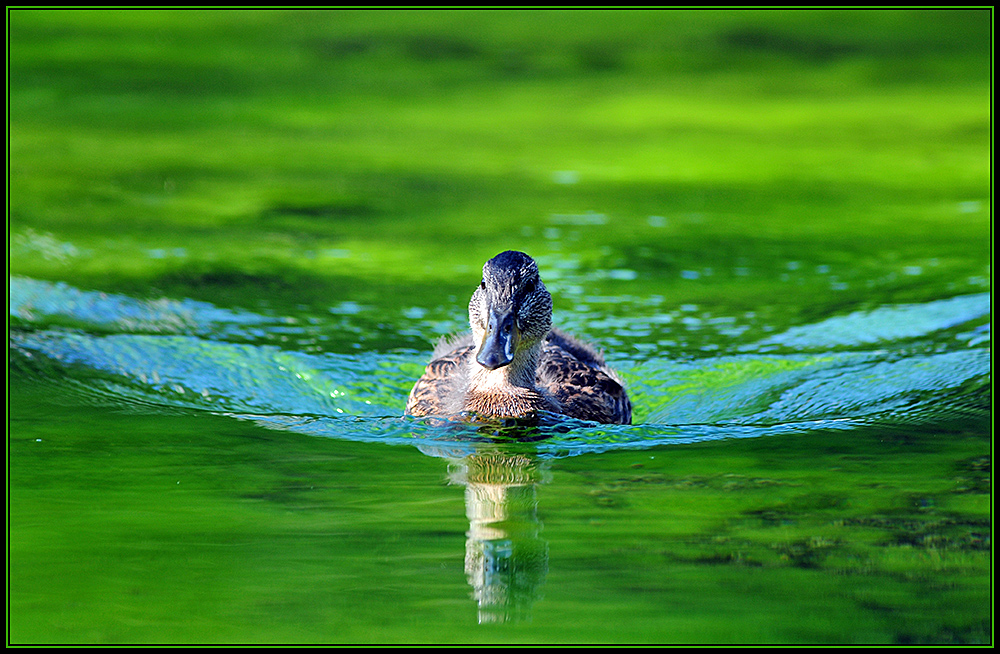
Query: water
{"points": [[866, 377], [891, 365], [235, 236]]}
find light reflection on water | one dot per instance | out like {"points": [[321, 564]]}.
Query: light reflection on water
{"points": [[506, 559]]}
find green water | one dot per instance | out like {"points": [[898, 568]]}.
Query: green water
{"points": [[234, 237]]}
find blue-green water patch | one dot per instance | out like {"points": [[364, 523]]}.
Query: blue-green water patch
{"points": [[908, 364]]}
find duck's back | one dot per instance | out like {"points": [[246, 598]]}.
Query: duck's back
{"points": [[569, 371], [441, 390], [581, 382]]}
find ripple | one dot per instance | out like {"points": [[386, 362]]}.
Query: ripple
{"points": [[884, 324], [187, 356]]}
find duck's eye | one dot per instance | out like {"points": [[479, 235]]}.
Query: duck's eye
{"points": [[482, 284], [529, 288]]}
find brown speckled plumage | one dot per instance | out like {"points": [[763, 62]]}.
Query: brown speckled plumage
{"points": [[513, 363]]}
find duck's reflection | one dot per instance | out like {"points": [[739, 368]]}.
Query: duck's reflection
{"points": [[506, 560]]}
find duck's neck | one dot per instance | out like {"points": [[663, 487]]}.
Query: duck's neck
{"points": [[518, 376], [507, 392]]}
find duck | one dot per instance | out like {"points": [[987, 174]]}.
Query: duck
{"points": [[513, 364]]}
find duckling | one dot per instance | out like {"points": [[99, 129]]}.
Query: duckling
{"points": [[514, 364]]}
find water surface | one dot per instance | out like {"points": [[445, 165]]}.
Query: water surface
{"points": [[832, 394], [233, 238]]}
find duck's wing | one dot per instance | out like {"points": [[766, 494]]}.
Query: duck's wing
{"points": [[584, 385], [440, 390], [575, 347]]}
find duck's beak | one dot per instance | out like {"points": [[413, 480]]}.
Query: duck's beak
{"points": [[500, 341]]}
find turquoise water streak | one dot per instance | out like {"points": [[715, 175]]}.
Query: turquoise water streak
{"points": [[914, 364]]}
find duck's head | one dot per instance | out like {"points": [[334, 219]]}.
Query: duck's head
{"points": [[511, 311]]}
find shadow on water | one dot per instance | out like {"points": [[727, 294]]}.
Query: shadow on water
{"points": [[904, 365]]}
